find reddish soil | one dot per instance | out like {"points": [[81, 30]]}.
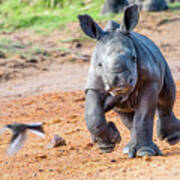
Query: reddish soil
{"points": [[37, 95]]}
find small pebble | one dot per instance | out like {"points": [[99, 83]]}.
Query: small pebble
{"points": [[147, 158], [56, 141], [113, 160], [78, 45], [89, 146], [61, 151], [40, 170], [41, 156], [72, 148], [34, 174], [32, 60], [124, 170]]}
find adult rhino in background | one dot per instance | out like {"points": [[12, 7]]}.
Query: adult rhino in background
{"points": [[172, 1], [128, 74], [117, 6], [150, 5], [113, 6]]}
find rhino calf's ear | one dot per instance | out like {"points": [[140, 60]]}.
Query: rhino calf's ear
{"points": [[130, 19], [89, 27]]}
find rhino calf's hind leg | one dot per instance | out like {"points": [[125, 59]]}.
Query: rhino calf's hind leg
{"points": [[168, 126], [127, 120]]}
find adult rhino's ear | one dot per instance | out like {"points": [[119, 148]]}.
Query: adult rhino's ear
{"points": [[89, 27], [130, 19]]}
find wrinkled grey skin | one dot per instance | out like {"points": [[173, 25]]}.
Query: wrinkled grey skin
{"points": [[128, 74], [150, 5]]}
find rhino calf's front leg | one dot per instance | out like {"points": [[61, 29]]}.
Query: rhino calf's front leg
{"points": [[141, 142], [104, 134]]}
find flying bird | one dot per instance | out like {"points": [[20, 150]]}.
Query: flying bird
{"points": [[19, 134]]}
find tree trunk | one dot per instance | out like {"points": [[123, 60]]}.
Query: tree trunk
{"points": [[113, 6]]}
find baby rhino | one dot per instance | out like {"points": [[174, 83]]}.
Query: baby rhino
{"points": [[128, 74]]}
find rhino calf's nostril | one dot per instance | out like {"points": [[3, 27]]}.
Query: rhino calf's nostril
{"points": [[131, 81], [116, 81]]}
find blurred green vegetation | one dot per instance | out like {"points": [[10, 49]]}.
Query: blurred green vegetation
{"points": [[44, 14], [47, 15], [174, 6]]}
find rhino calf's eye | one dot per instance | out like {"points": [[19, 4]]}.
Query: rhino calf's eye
{"points": [[133, 59], [100, 64]]}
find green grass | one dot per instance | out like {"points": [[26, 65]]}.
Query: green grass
{"points": [[17, 15], [11, 47], [174, 5], [42, 16]]}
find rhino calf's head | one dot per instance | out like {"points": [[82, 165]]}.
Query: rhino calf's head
{"points": [[114, 58]]}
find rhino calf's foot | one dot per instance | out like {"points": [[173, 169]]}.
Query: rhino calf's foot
{"points": [[173, 139], [135, 149], [170, 133], [126, 148], [107, 144]]}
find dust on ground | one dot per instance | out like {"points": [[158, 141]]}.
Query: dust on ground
{"points": [[47, 85]]}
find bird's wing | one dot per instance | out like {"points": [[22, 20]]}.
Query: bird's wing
{"points": [[36, 124], [37, 133], [17, 142], [3, 129], [37, 129]]}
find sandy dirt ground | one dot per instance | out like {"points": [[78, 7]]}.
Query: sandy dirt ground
{"points": [[49, 89]]}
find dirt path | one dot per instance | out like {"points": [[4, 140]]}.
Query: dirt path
{"points": [[62, 114], [66, 77], [33, 90]]}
